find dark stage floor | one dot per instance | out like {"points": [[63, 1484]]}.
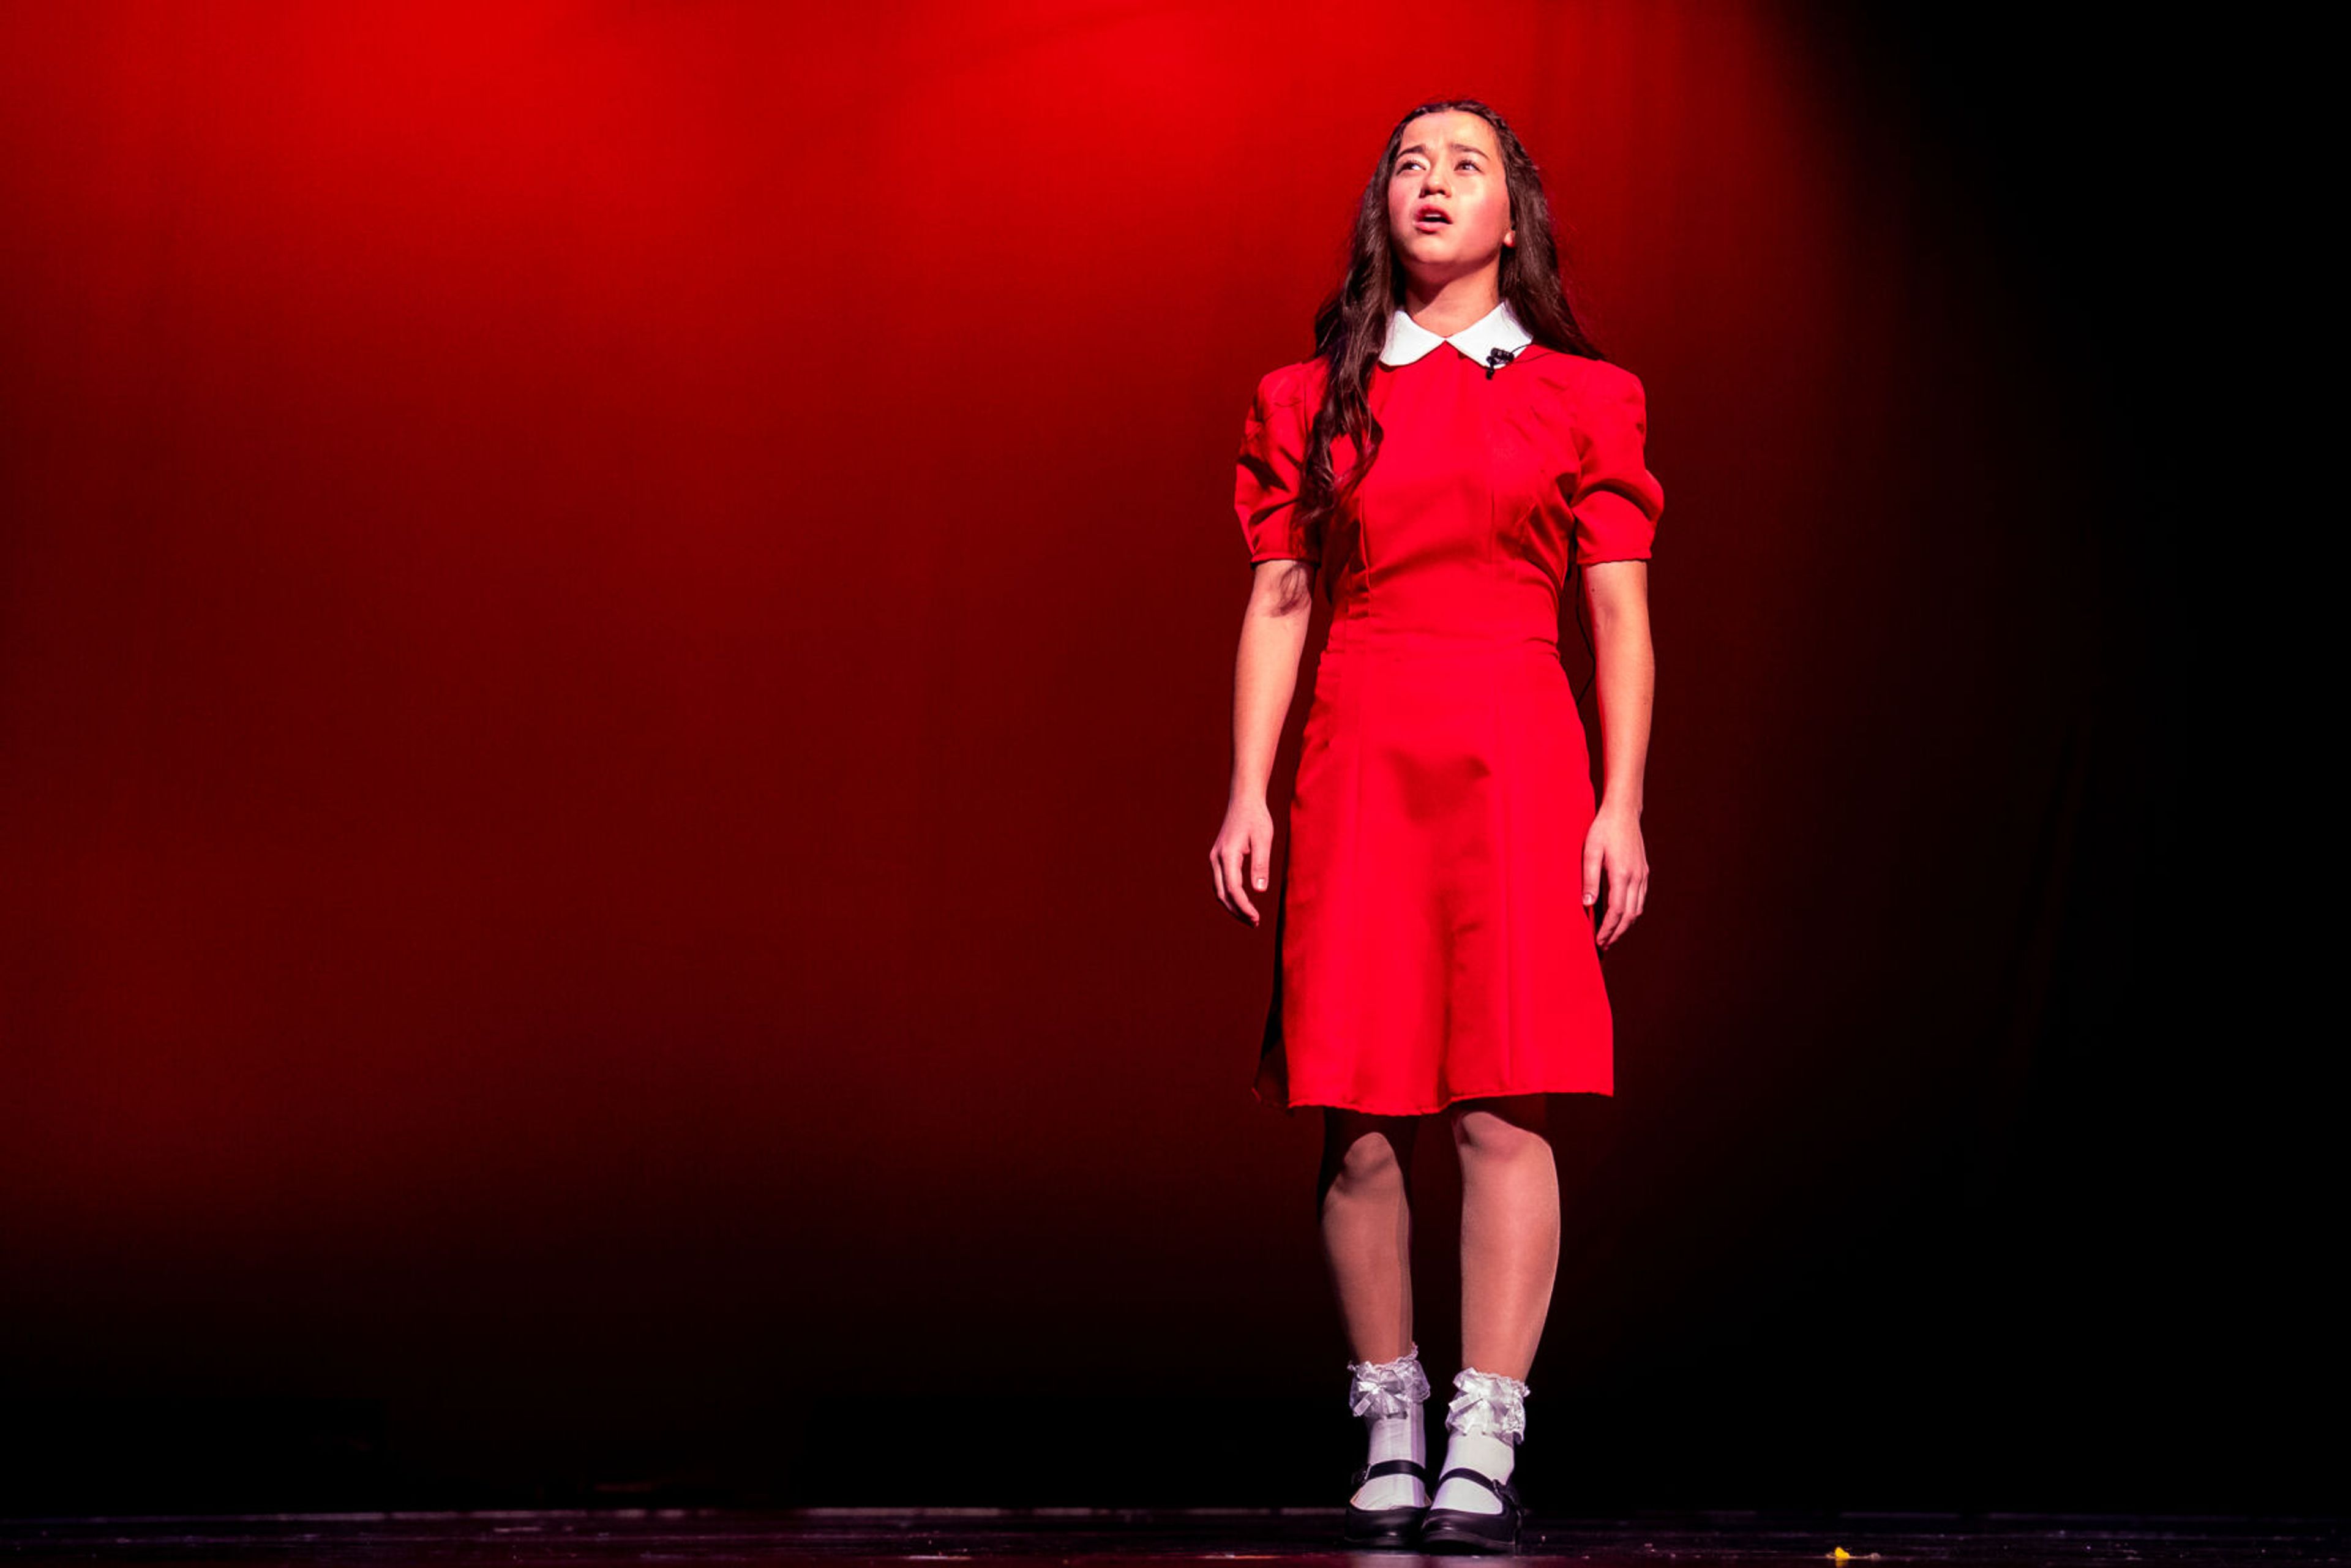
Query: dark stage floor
{"points": [[1062, 1536]]}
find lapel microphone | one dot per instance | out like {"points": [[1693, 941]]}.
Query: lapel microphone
{"points": [[1496, 359]]}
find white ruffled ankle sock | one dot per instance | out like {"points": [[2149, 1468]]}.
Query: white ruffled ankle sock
{"points": [[1482, 1425], [1388, 1394]]}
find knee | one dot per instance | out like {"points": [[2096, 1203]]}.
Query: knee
{"points": [[1366, 1166], [1497, 1137]]}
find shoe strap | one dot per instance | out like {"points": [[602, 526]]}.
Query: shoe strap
{"points": [[1502, 1489], [1391, 1468]]}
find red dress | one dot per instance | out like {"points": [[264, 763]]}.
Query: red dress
{"points": [[1431, 942]]}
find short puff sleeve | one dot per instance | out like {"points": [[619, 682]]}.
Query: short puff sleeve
{"points": [[1617, 501], [1266, 477]]}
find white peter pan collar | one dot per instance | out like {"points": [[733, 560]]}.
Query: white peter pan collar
{"points": [[1498, 328]]}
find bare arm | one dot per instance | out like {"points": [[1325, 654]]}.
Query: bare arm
{"points": [[1616, 593], [1265, 677]]}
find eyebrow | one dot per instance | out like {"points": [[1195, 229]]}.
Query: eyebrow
{"points": [[1465, 146]]}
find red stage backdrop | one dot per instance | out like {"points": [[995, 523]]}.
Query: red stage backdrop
{"points": [[615, 651]]}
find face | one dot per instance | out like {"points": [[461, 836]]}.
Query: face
{"points": [[1448, 205]]}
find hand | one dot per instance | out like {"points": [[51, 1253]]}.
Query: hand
{"points": [[1244, 845], [1613, 850]]}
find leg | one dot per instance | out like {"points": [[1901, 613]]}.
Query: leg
{"points": [[1509, 1259], [1364, 1195], [1510, 1229]]}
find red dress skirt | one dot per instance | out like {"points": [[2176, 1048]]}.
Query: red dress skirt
{"points": [[1431, 941]]}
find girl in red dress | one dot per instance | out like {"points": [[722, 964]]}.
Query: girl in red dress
{"points": [[1454, 458]]}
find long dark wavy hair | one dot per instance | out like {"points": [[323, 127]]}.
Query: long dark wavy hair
{"points": [[1351, 326]]}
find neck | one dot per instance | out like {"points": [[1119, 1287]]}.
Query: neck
{"points": [[1446, 307]]}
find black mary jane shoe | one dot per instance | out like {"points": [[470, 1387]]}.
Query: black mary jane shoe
{"points": [[1382, 1526], [1461, 1530]]}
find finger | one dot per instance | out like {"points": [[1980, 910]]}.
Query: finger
{"points": [[1216, 875], [1631, 905], [1637, 893], [1613, 925], [1591, 871], [1240, 890]]}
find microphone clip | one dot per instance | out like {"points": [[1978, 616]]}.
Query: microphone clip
{"points": [[1496, 359]]}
